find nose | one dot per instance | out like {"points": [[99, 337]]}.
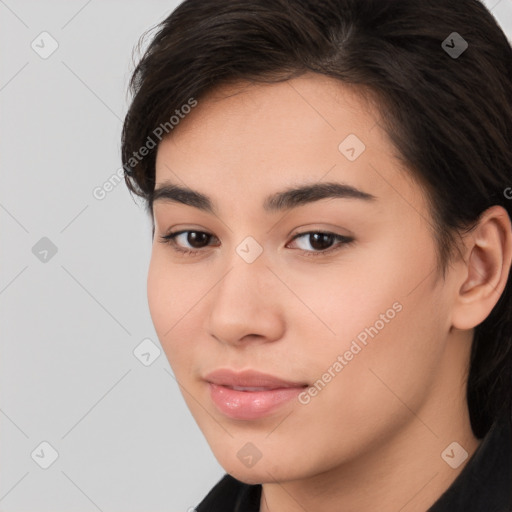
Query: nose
{"points": [[245, 306]]}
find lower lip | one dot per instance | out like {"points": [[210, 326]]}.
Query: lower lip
{"points": [[250, 405]]}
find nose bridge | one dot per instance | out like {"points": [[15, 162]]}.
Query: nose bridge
{"points": [[248, 273], [241, 303], [243, 284]]}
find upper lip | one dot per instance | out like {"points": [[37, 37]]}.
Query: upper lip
{"points": [[249, 378]]}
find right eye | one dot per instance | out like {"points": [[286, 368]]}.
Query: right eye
{"points": [[196, 240]]}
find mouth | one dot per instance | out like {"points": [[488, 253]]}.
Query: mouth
{"points": [[249, 403], [250, 395], [241, 388], [250, 380]]}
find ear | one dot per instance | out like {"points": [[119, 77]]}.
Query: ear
{"points": [[484, 270]]}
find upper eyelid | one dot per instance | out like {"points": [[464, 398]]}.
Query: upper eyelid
{"points": [[295, 235], [179, 232], [338, 236]]}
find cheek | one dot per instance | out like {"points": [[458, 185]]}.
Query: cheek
{"points": [[172, 293], [161, 299], [351, 293], [366, 396], [381, 311]]}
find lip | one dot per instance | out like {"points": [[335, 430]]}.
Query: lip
{"points": [[272, 392], [250, 378]]}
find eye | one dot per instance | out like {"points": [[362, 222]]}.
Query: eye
{"points": [[196, 239], [321, 242]]}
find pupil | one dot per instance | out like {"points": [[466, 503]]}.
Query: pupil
{"points": [[195, 238], [320, 240]]}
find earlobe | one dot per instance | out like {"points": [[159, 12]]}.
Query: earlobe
{"points": [[486, 269]]}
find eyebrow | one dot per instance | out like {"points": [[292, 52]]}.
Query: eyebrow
{"points": [[279, 201]]}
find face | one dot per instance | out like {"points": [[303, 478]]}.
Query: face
{"points": [[333, 291]]}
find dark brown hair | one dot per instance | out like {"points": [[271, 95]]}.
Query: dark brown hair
{"points": [[449, 116]]}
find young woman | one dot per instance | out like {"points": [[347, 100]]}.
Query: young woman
{"points": [[330, 190]]}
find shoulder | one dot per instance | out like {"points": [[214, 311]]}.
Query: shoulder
{"points": [[486, 481], [231, 495]]}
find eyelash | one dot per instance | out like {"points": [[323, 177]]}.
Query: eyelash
{"points": [[169, 239]]}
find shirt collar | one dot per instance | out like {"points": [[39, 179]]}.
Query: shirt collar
{"points": [[485, 483]]}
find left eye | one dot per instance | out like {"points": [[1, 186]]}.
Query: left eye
{"points": [[321, 241]]}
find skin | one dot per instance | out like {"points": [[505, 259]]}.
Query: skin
{"points": [[372, 438]]}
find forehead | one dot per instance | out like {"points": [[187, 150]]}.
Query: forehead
{"points": [[266, 136], [292, 108]]}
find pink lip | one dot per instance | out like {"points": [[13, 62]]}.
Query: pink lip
{"points": [[249, 405], [249, 378]]}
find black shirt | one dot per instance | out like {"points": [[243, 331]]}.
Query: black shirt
{"points": [[484, 485]]}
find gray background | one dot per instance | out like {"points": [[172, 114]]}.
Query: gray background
{"points": [[72, 320]]}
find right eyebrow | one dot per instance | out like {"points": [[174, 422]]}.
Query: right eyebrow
{"points": [[184, 195]]}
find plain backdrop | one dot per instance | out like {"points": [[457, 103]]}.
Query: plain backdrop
{"points": [[90, 418]]}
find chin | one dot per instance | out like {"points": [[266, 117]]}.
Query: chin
{"points": [[264, 471]]}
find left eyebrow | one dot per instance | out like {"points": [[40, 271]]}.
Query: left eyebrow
{"points": [[294, 197], [285, 200]]}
